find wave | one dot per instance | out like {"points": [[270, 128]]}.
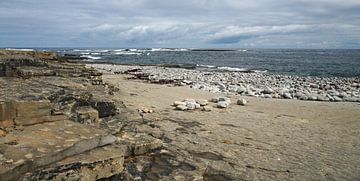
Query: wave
{"points": [[80, 50], [233, 69], [228, 69], [207, 66], [168, 49], [90, 57], [128, 53], [20, 49]]}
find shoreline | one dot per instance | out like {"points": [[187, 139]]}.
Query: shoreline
{"points": [[268, 139], [265, 85]]}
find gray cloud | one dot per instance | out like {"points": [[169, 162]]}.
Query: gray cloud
{"points": [[188, 23]]}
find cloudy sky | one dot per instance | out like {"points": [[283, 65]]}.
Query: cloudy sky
{"points": [[185, 23]]}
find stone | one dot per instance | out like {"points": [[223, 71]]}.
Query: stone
{"points": [[181, 107], [322, 98], [176, 103], [303, 97], [104, 106], [61, 133], [226, 99], [87, 115], [190, 105], [343, 95], [207, 108], [139, 144], [197, 106], [241, 90], [250, 93], [242, 102], [202, 102], [145, 110], [214, 99], [287, 95], [267, 96], [337, 99], [2, 133], [267, 90], [92, 165], [222, 104], [189, 100]]}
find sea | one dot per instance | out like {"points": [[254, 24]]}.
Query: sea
{"points": [[301, 62]]}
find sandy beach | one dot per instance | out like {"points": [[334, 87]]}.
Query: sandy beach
{"points": [[268, 139]]}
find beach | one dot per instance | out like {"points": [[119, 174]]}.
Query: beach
{"points": [[268, 139], [66, 119]]}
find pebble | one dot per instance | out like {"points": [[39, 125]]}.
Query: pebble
{"points": [[203, 102], [267, 96], [181, 107], [191, 106], [287, 95], [222, 104], [207, 108], [251, 84], [242, 102], [176, 103]]}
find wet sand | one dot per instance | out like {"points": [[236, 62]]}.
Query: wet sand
{"points": [[269, 139]]}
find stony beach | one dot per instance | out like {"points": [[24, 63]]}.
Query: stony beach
{"points": [[265, 85], [63, 119]]}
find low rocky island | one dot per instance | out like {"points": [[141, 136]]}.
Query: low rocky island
{"points": [[61, 119]]}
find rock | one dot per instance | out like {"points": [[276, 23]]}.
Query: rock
{"points": [[333, 93], [207, 108], [214, 99], [233, 88], [250, 93], [189, 100], [226, 99], [337, 99], [197, 106], [287, 95], [267, 90], [303, 97], [64, 144], [267, 96], [222, 104], [322, 98], [87, 115], [190, 105], [176, 103], [350, 99], [139, 144], [145, 110], [202, 102], [96, 164], [181, 107], [105, 107], [241, 102], [241, 90], [312, 98], [2, 133], [343, 95]]}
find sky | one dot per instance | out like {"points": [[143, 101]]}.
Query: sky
{"points": [[182, 24]]}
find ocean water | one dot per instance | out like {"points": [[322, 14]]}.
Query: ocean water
{"points": [[329, 62]]}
